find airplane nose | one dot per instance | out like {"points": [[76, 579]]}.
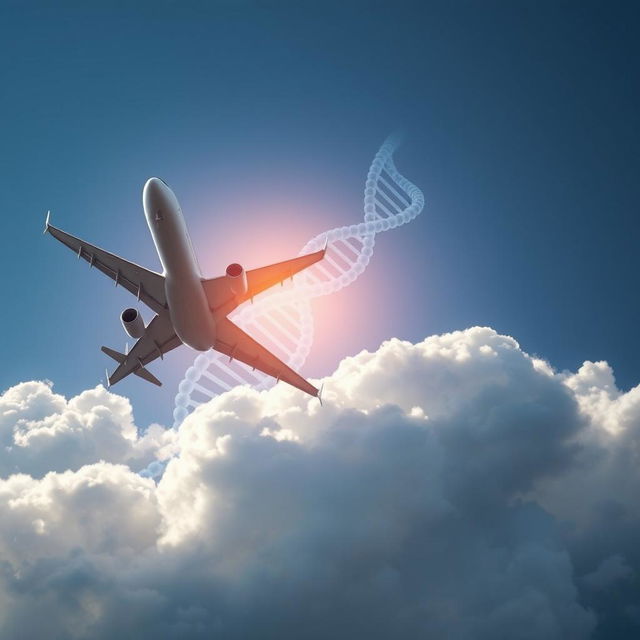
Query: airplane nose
{"points": [[158, 199], [156, 193], [154, 187]]}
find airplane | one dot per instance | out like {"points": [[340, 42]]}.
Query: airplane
{"points": [[189, 309]]}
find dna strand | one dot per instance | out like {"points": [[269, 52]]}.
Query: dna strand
{"points": [[281, 318]]}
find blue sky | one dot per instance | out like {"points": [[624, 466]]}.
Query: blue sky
{"points": [[452, 485], [521, 126]]}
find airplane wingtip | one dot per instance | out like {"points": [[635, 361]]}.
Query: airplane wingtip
{"points": [[319, 396], [46, 222], [107, 383]]}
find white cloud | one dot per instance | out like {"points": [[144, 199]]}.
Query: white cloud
{"points": [[40, 431], [454, 488]]}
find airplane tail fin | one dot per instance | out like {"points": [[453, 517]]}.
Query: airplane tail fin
{"points": [[141, 372]]}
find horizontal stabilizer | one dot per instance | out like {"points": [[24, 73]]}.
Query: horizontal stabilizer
{"points": [[145, 374], [116, 355], [140, 372], [159, 338]]}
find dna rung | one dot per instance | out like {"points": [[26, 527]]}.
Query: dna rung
{"points": [[281, 318]]}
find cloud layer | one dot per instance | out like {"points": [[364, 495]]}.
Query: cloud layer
{"points": [[453, 488], [41, 432]]}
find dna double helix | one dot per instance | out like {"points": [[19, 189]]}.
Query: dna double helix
{"points": [[281, 318]]}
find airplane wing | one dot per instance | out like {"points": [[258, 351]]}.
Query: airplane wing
{"points": [[159, 338], [259, 280], [221, 298], [234, 342], [146, 285]]}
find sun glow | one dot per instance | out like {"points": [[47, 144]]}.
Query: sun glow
{"points": [[282, 320]]}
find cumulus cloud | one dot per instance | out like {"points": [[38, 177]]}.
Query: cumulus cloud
{"points": [[40, 431], [453, 488]]}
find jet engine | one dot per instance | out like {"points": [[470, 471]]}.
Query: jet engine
{"points": [[133, 323], [237, 278]]}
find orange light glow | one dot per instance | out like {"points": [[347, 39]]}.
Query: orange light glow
{"points": [[259, 231]]}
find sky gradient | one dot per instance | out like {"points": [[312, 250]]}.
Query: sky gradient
{"points": [[475, 476]]}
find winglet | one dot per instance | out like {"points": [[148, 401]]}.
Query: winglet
{"points": [[46, 222], [320, 393], [326, 244], [108, 382]]}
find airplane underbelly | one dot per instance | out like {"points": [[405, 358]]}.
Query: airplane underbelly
{"points": [[190, 314]]}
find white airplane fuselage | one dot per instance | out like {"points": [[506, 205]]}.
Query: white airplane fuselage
{"points": [[188, 307]]}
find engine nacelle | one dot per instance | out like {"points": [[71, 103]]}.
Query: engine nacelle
{"points": [[237, 278], [133, 323]]}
